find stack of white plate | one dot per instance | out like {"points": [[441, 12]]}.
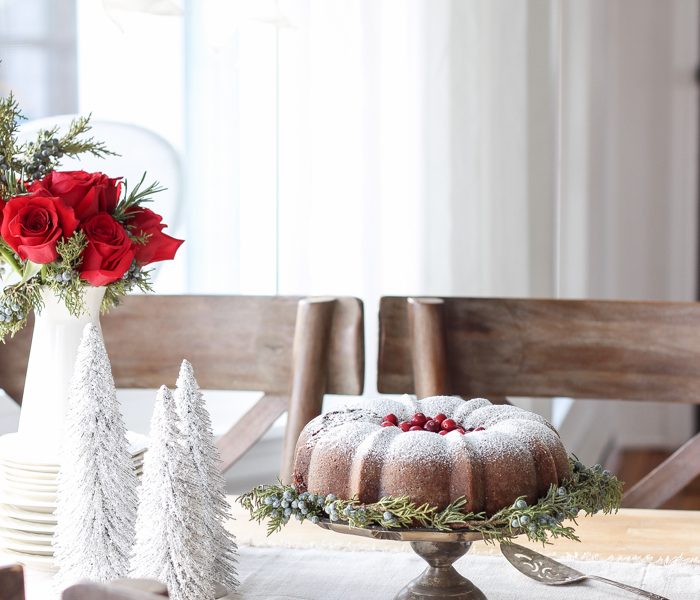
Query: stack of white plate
{"points": [[28, 481]]}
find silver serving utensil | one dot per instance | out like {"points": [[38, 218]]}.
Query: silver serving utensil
{"points": [[546, 570]]}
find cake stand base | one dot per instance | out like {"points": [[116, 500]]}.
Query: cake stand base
{"points": [[440, 579]]}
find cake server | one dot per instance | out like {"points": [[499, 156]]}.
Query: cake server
{"points": [[546, 570]]}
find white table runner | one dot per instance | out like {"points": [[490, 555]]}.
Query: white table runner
{"points": [[286, 574], [277, 573]]}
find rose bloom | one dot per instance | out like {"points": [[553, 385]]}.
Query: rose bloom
{"points": [[159, 246], [32, 224], [86, 193], [109, 252]]}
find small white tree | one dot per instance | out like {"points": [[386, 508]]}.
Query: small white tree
{"points": [[170, 545], [96, 498], [199, 439]]}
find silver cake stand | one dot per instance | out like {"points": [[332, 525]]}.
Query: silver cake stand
{"points": [[439, 549]]}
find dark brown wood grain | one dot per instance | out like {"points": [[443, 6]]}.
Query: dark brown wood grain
{"points": [[11, 582], [428, 352], [577, 348], [309, 356], [592, 349], [243, 434], [233, 342], [667, 479]]}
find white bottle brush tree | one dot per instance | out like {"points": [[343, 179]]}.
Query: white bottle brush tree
{"points": [[199, 439], [170, 545], [96, 497]]}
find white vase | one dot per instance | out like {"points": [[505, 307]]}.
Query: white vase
{"points": [[55, 343]]}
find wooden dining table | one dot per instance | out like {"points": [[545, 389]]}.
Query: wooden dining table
{"points": [[658, 550]]}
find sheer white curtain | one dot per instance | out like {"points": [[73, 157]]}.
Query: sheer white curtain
{"points": [[371, 147], [406, 161], [404, 164]]}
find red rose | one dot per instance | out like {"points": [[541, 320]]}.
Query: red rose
{"points": [[158, 246], [86, 193], [32, 224], [109, 252]]}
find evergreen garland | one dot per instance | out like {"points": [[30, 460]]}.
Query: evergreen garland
{"points": [[590, 490]]}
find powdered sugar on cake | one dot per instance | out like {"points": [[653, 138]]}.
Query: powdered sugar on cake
{"points": [[358, 451]]}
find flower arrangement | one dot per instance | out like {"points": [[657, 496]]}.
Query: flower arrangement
{"points": [[65, 230], [590, 490]]}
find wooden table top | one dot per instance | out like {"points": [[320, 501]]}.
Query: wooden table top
{"points": [[652, 534]]}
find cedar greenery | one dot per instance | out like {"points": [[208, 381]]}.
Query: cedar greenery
{"points": [[590, 490]]}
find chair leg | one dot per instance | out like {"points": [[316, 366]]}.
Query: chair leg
{"points": [[430, 372], [666, 480], [309, 372], [249, 429]]}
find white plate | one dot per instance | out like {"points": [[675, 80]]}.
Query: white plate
{"points": [[27, 504], [24, 474], [37, 539], [28, 494], [27, 515], [16, 546], [20, 451], [44, 477], [29, 467], [32, 483], [26, 526], [31, 560]]}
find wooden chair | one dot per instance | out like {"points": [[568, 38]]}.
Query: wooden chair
{"points": [[11, 583], [544, 348], [293, 349]]}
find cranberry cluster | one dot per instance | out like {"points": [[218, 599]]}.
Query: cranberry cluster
{"points": [[437, 424]]}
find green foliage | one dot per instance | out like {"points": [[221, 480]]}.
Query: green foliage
{"points": [[44, 154], [10, 117], [134, 198], [136, 278], [590, 490], [16, 302], [62, 276]]}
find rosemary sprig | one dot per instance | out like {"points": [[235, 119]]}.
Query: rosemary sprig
{"points": [[136, 197], [590, 490]]}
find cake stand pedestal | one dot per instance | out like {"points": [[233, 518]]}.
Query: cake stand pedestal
{"points": [[439, 549]]}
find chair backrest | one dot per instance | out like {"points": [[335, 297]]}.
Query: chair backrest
{"points": [[138, 148], [293, 349], [545, 348], [11, 582], [495, 347]]}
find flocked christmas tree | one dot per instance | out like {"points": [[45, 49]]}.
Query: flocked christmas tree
{"points": [[96, 498], [170, 546], [199, 439]]}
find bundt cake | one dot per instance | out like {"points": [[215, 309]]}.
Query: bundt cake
{"points": [[490, 454]]}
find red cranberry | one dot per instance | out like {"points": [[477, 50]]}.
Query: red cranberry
{"points": [[416, 428], [419, 419], [387, 424], [443, 432], [449, 425], [405, 426], [460, 430], [391, 417], [480, 429], [440, 417], [432, 425]]}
